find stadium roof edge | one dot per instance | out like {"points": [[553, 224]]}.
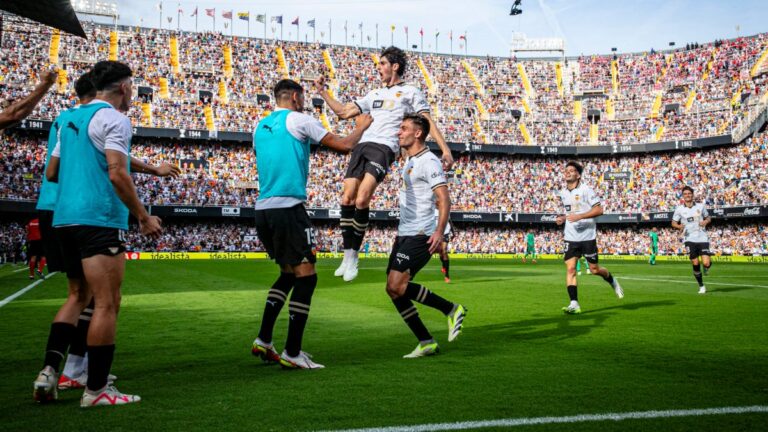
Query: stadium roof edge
{"points": [[54, 13]]}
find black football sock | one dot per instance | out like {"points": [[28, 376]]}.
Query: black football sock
{"points": [[298, 308], [347, 216], [573, 293], [359, 226], [426, 297], [99, 364], [275, 301], [697, 275], [411, 317], [79, 344], [609, 278], [59, 339]]}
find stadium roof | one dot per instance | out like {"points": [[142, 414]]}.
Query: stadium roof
{"points": [[54, 13]]}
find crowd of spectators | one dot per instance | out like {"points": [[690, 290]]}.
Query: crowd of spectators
{"points": [[474, 99], [225, 174]]}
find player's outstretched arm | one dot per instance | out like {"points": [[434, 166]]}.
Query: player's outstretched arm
{"points": [[444, 208], [21, 109], [163, 170], [438, 136], [347, 143], [126, 191], [343, 111]]}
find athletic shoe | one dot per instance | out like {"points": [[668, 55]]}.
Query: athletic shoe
{"points": [[617, 288], [40, 274], [265, 351], [342, 268], [108, 396], [301, 361], [44, 387], [31, 277], [350, 273], [78, 382], [588, 272], [534, 261], [424, 350], [447, 280], [442, 270], [523, 260], [703, 290], [572, 310], [578, 273], [455, 322]]}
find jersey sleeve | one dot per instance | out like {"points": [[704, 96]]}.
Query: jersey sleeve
{"points": [[592, 198], [365, 103], [704, 212], [677, 216], [305, 127], [419, 102], [118, 133], [435, 176]]}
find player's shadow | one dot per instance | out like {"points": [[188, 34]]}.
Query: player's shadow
{"points": [[560, 327], [731, 289]]}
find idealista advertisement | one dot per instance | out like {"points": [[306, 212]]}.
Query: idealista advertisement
{"points": [[183, 256]]}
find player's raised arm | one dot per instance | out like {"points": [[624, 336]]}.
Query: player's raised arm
{"points": [[347, 143], [21, 109], [447, 157], [344, 111]]}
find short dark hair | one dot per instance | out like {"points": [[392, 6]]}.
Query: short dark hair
{"points": [[107, 72], [420, 122], [687, 188], [84, 86], [396, 56], [286, 87], [579, 168]]}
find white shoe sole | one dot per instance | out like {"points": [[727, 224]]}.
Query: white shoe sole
{"points": [[350, 274]]}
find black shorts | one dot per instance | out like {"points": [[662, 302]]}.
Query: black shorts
{"points": [[372, 158], [447, 237], [35, 249], [287, 235], [409, 254], [696, 250], [586, 249], [79, 242], [51, 244]]}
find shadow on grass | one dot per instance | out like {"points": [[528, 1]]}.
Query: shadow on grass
{"points": [[730, 289]]}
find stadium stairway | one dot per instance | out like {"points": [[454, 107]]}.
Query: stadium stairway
{"points": [[325, 122], [656, 107], [473, 77], [761, 65], [375, 59], [210, 121], [610, 111], [427, 78], [282, 64], [577, 110], [146, 114], [227, 52], [481, 110], [62, 81], [615, 77], [223, 94], [525, 81], [173, 45], [113, 45], [164, 92], [559, 78], [690, 100], [659, 133], [480, 133], [594, 132], [524, 132], [526, 106], [333, 85], [53, 52]]}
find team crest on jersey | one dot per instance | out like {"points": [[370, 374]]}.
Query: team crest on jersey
{"points": [[398, 94], [576, 197]]}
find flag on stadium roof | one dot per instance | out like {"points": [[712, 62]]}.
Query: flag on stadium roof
{"points": [[160, 6], [421, 31], [392, 27], [227, 14], [245, 16], [194, 13], [277, 19], [261, 18], [295, 21], [311, 23], [181, 11], [211, 12]]}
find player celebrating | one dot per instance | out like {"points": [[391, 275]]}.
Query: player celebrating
{"points": [[95, 195], [654, 245], [530, 247], [692, 219], [419, 236], [281, 142], [581, 207], [371, 159]]}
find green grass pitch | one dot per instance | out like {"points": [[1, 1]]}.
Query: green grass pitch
{"points": [[186, 328]]}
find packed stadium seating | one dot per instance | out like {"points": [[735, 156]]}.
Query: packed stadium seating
{"points": [[217, 174], [642, 97]]}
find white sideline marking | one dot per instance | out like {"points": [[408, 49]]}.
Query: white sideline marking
{"points": [[568, 419], [18, 270], [682, 280], [20, 292]]}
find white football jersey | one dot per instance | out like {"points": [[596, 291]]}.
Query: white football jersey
{"points": [[422, 174], [576, 201], [690, 217], [388, 106]]}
